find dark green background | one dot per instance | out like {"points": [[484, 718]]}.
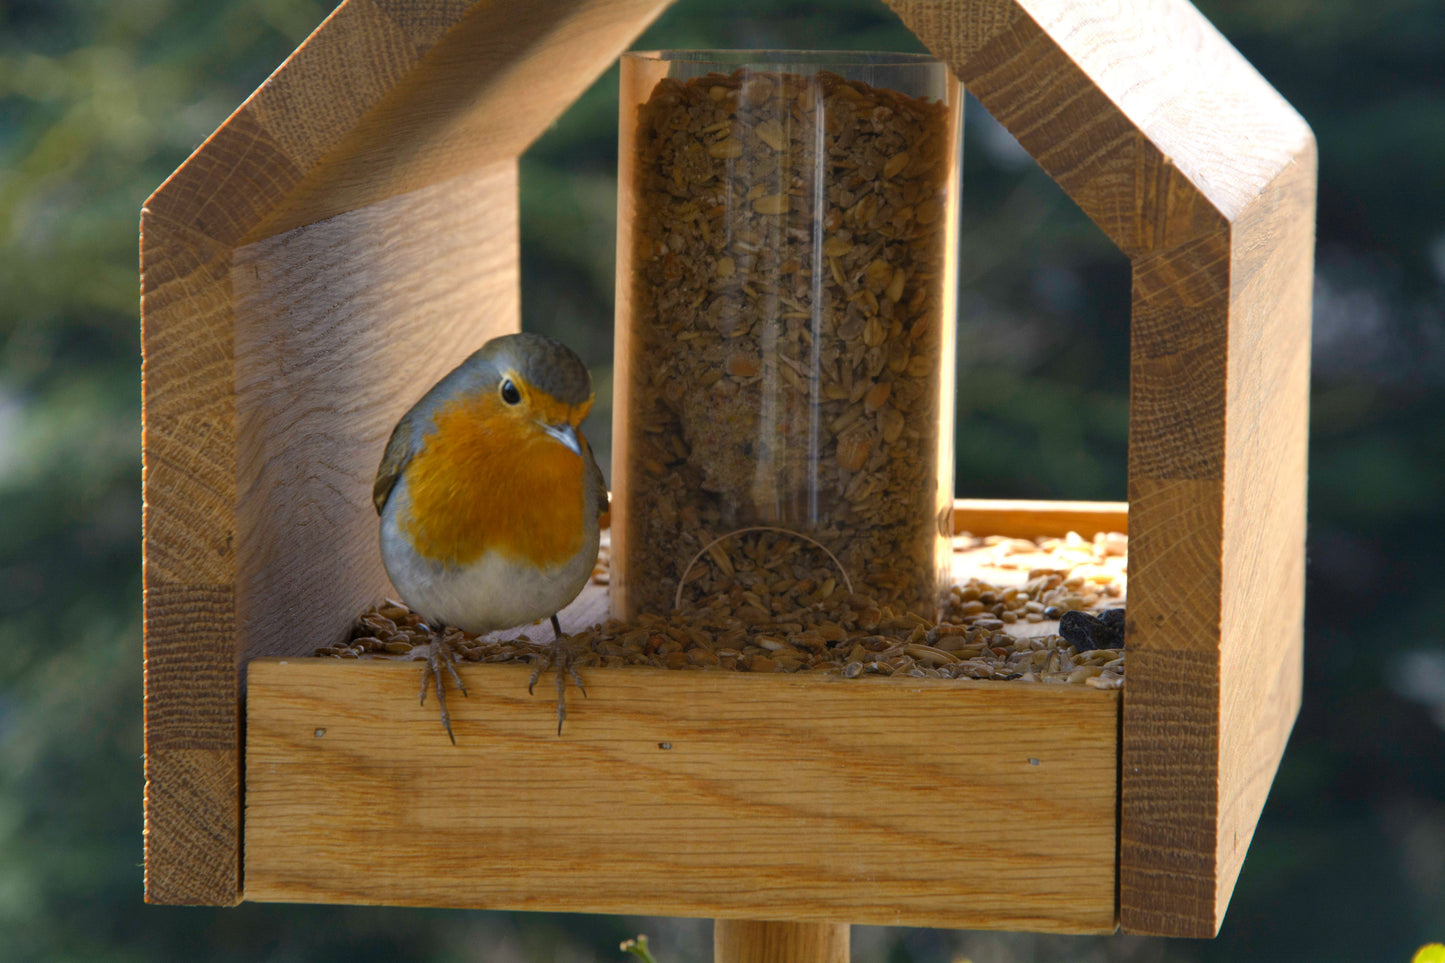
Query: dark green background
{"points": [[100, 99]]}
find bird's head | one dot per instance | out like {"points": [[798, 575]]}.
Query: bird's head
{"points": [[529, 382]]}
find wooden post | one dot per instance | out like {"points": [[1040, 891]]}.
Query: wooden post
{"points": [[757, 941]]}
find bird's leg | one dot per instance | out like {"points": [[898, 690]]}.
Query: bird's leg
{"points": [[439, 655], [560, 656], [564, 658]]}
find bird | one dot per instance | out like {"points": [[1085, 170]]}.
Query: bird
{"points": [[489, 500]]}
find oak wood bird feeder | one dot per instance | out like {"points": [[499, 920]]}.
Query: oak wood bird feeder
{"points": [[350, 233]]}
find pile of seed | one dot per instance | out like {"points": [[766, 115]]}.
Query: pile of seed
{"points": [[1042, 579], [786, 303], [1006, 626]]}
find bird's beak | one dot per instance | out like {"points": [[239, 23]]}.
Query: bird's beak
{"points": [[567, 435]]}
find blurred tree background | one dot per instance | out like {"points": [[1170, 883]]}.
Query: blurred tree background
{"points": [[100, 100]]}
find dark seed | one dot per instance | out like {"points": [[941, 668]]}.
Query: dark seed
{"points": [[1053, 612], [1086, 633]]}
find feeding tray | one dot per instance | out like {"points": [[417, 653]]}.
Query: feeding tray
{"points": [[350, 233]]}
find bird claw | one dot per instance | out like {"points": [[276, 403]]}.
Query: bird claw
{"points": [[560, 656], [439, 655]]}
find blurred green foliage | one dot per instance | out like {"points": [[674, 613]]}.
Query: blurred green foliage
{"points": [[99, 101]]}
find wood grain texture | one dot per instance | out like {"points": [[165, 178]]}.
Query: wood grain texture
{"points": [[193, 753], [341, 326], [754, 941], [192, 720], [1204, 176], [388, 96], [1267, 459], [485, 90], [767, 797], [367, 191], [1023, 518]]}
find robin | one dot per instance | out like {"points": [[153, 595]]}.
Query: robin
{"points": [[489, 500]]}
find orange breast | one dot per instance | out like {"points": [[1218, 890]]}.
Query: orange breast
{"points": [[489, 479]]}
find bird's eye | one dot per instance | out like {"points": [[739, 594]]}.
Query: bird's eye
{"points": [[510, 394]]}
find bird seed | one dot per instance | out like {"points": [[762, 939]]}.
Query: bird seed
{"points": [[786, 339], [772, 615]]}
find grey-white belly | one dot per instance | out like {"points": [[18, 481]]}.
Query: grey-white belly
{"points": [[493, 592]]}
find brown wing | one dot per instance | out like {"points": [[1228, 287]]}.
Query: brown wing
{"points": [[398, 453], [599, 485], [596, 484]]}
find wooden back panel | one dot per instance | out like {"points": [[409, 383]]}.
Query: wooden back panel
{"points": [[341, 326]]}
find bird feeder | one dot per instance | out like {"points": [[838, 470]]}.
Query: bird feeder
{"points": [[350, 233]]}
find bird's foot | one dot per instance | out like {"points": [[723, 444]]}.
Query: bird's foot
{"points": [[441, 656], [560, 656]]}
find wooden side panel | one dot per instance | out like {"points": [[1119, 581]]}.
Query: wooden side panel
{"points": [[1217, 501], [1175, 146], [1264, 502], [1169, 785], [340, 326], [768, 797], [192, 798], [1169, 778], [188, 355]]}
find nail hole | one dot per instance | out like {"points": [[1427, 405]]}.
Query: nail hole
{"points": [[664, 745], [1033, 762], [320, 733]]}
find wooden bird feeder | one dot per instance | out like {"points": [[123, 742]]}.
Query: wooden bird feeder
{"points": [[350, 233]]}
